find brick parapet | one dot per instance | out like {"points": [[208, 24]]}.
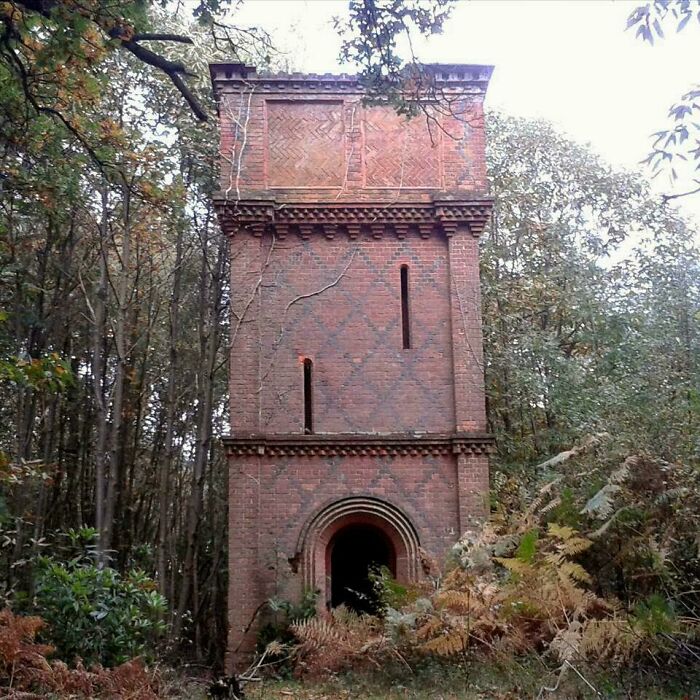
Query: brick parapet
{"points": [[237, 77], [310, 137]]}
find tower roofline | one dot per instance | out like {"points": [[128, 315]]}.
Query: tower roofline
{"points": [[458, 77]]}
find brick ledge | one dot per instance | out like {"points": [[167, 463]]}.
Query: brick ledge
{"points": [[259, 216], [359, 445]]}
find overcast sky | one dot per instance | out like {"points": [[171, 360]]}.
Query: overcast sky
{"points": [[569, 61]]}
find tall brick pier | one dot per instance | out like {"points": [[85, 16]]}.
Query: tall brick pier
{"points": [[358, 431]]}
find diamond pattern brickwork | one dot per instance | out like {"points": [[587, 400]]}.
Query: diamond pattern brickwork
{"points": [[325, 199], [364, 381], [290, 491]]}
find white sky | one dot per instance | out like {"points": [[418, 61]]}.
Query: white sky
{"points": [[568, 61]]}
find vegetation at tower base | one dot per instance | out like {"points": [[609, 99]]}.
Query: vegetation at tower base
{"points": [[528, 585]]}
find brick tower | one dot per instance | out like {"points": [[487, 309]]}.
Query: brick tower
{"points": [[357, 395]]}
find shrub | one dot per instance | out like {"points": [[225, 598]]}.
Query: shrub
{"points": [[26, 672], [535, 580], [281, 614], [96, 614]]}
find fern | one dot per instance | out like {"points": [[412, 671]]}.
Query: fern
{"points": [[459, 601], [430, 628], [515, 566], [340, 640], [316, 632], [566, 643], [575, 571], [601, 505], [562, 532], [448, 644], [612, 639]]}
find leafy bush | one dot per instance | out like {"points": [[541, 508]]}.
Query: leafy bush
{"points": [[96, 614], [26, 672], [283, 614]]}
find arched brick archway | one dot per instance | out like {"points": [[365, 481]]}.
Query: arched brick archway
{"points": [[340, 516]]}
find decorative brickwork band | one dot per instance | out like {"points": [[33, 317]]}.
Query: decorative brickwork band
{"points": [[317, 534], [258, 217], [357, 445]]}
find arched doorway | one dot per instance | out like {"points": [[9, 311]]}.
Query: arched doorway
{"points": [[341, 526], [354, 552]]}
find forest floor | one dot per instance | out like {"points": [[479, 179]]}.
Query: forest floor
{"points": [[480, 683]]}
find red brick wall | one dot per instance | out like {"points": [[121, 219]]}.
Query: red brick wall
{"points": [[319, 145], [271, 498], [331, 293], [363, 379]]}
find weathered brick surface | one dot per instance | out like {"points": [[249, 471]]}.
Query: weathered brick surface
{"points": [[364, 381], [401, 152], [467, 344], [305, 144], [328, 289], [315, 143]]}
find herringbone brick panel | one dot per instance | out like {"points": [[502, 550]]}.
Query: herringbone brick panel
{"points": [[399, 152], [305, 144]]}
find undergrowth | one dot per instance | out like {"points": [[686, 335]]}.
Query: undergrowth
{"points": [[593, 577], [26, 673], [478, 678]]}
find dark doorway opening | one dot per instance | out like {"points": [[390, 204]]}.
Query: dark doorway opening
{"points": [[355, 551]]}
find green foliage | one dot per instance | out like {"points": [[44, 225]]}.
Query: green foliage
{"points": [[656, 615], [390, 593], [677, 145], [284, 614], [591, 292], [50, 373], [372, 34], [527, 547], [97, 614]]}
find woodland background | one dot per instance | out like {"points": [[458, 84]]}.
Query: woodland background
{"points": [[114, 321]]}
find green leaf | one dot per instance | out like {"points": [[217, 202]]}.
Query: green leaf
{"points": [[528, 546]]}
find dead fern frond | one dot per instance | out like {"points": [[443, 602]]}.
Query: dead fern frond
{"points": [[562, 532], [454, 642], [316, 632], [431, 627], [575, 571], [515, 566], [457, 601], [566, 643], [609, 639], [24, 661]]}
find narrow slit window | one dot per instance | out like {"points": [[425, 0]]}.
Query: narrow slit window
{"points": [[308, 397], [405, 318]]}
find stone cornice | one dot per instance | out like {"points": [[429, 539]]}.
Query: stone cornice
{"points": [[446, 78], [259, 216], [353, 445]]}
